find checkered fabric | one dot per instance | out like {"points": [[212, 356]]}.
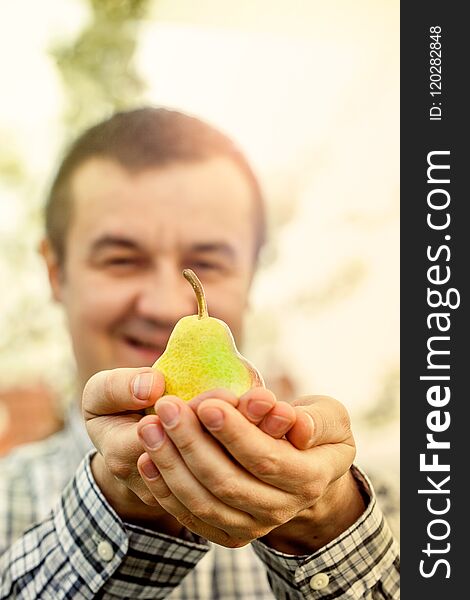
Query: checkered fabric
{"points": [[59, 538]]}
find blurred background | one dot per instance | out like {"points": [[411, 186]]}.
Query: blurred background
{"points": [[310, 91]]}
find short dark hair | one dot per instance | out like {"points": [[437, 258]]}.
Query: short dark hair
{"points": [[139, 139]]}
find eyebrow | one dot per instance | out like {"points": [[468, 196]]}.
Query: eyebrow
{"points": [[107, 241], [116, 241], [214, 248]]}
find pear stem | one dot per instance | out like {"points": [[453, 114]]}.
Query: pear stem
{"points": [[199, 291]]}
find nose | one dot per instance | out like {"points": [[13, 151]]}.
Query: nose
{"points": [[165, 296]]}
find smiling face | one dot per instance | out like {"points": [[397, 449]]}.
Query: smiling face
{"points": [[130, 236]]}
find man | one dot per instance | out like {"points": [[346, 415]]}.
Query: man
{"points": [[268, 486]]}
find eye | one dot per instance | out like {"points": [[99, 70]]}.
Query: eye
{"points": [[205, 265], [121, 263], [121, 260]]}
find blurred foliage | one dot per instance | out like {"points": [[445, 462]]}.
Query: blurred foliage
{"points": [[347, 277], [387, 403], [12, 171], [97, 68], [99, 77]]}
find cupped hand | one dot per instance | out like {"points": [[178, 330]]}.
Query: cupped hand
{"points": [[113, 403], [229, 481], [259, 405]]}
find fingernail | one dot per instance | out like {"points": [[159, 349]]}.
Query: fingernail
{"points": [[168, 412], [143, 386], [213, 418], [276, 423], [152, 435], [150, 470], [258, 408]]}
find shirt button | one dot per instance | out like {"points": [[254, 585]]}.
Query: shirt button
{"points": [[105, 551], [319, 581]]}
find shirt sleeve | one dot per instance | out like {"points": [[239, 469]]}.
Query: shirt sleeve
{"points": [[84, 549], [361, 564]]}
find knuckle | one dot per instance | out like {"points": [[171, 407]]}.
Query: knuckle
{"points": [[235, 438], [186, 519], [267, 466], [226, 489], [164, 494], [148, 498], [165, 463], [277, 518], [314, 490], [140, 489], [186, 445], [120, 469], [270, 517], [201, 510]]}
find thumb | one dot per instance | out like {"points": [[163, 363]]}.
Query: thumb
{"points": [[320, 420]]}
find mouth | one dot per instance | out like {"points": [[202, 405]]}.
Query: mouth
{"points": [[147, 349]]}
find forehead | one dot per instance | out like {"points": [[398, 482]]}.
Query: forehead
{"points": [[179, 202]]}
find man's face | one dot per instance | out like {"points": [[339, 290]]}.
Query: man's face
{"points": [[131, 235]]}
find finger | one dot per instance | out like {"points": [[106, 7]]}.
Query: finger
{"points": [[120, 447], [208, 462], [256, 403], [175, 486], [157, 487], [279, 420], [304, 475], [220, 393], [178, 492], [301, 435], [320, 420], [275, 462], [120, 390]]}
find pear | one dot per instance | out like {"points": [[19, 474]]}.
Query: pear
{"points": [[201, 354]]}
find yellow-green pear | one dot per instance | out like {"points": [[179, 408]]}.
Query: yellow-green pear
{"points": [[201, 354]]}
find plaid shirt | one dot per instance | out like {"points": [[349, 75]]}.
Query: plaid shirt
{"points": [[59, 538]]}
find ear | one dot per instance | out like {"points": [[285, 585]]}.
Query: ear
{"points": [[54, 269]]}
